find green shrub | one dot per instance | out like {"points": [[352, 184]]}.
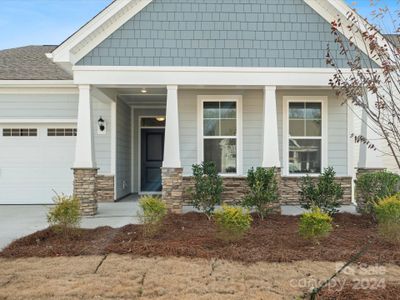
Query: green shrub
{"points": [[388, 215], [232, 222], [315, 224], [207, 191], [153, 212], [263, 190], [65, 215], [326, 194], [371, 187]]}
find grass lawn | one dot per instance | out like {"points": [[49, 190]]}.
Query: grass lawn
{"points": [[132, 277]]}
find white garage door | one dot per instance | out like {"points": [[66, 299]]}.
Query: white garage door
{"points": [[34, 161]]}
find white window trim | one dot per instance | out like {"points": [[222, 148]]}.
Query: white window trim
{"points": [[324, 138], [239, 123]]}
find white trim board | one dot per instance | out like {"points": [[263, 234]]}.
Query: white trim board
{"points": [[200, 76]]}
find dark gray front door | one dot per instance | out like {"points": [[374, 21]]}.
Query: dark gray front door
{"points": [[152, 155]]}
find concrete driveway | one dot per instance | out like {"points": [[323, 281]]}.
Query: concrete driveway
{"points": [[17, 221]]}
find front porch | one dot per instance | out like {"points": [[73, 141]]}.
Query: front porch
{"points": [[158, 132]]}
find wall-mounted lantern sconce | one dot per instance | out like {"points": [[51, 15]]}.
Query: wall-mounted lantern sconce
{"points": [[101, 128]]}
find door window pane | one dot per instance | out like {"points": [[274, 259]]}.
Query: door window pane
{"points": [[6, 132], [304, 156], [222, 152], [153, 122], [20, 132]]}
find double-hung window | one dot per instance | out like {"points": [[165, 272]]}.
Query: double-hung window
{"points": [[305, 137], [220, 133]]}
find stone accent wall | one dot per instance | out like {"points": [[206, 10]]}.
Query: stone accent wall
{"points": [[235, 188], [105, 188], [290, 187], [172, 192], [85, 190], [361, 201]]}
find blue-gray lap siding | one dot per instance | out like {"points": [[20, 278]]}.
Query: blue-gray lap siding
{"points": [[226, 33]]}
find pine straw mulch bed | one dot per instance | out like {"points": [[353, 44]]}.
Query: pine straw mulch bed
{"points": [[275, 239], [348, 292]]}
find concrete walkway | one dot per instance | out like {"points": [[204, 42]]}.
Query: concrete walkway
{"points": [[17, 221]]}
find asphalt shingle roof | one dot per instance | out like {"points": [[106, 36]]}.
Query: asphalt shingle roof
{"points": [[30, 63]]}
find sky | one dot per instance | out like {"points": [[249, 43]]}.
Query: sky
{"points": [[49, 22]]}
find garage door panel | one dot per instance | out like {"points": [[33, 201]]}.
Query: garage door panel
{"points": [[32, 167]]}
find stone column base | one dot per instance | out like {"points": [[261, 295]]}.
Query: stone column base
{"points": [[85, 190], [172, 189]]}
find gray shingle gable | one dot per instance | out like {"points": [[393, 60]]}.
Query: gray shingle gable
{"points": [[225, 33]]}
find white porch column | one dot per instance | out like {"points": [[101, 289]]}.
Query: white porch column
{"points": [[171, 171], [370, 158], [172, 157], [270, 142], [84, 151], [85, 171]]}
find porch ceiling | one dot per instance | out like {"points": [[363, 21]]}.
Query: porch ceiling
{"points": [[151, 97]]}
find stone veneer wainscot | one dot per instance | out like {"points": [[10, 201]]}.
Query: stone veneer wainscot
{"points": [[105, 188], [172, 192], [85, 190], [235, 189]]}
